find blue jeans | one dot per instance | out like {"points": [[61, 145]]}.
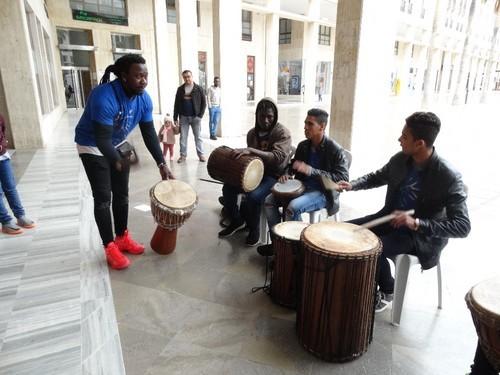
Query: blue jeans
{"points": [[8, 188], [214, 120], [255, 199], [195, 123], [311, 200]]}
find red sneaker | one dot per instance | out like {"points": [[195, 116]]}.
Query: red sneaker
{"points": [[127, 244], [115, 258]]}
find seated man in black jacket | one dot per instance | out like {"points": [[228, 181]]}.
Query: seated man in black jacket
{"points": [[315, 156], [416, 178]]}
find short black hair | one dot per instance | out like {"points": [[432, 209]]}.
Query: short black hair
{"points": [[187, 71], [425, 126], [320, 115], [122, 65]]}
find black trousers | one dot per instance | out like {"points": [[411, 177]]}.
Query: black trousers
{"points": [[109, 188], [394, 242], [481, 364]]}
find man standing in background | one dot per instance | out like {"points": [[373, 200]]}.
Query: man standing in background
{"points": [[213, 97], [189, 108]]}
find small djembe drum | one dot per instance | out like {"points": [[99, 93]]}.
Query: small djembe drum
{"points": [[335, 315], [483, 301], [245, 172], [284, 192], [172, 203], [286, 280]]}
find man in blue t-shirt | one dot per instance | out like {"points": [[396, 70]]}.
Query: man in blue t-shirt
{"points": [[112, 111]]}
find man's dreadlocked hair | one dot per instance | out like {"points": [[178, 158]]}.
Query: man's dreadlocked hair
{"points": [[122, 65]]}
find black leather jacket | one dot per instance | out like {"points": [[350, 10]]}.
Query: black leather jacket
{"points": [[333, 164], [198, 97], [440, 205]]}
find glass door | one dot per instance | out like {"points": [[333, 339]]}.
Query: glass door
{"points": [[77, 86]]}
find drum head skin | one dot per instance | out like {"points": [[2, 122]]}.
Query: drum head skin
{"points": [[288, 186], [486, 295], [174, 194], [253, 175], [340, 238], [290, 230]]}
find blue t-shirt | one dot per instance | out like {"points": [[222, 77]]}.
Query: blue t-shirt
{"points": [[312, 182], [407, 194], [109, 105]]}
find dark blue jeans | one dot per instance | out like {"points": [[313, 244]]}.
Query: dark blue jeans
{"points": [[214, 120], [254, 198], [394, 242], [8, 188]]}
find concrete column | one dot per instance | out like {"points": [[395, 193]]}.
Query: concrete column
{"points": [[309, 51], [489, 65], [17, 76], [187, 37], [361, 72], [228, 64], [162, 54], [429, 75], [463, 71], [272, 51]]}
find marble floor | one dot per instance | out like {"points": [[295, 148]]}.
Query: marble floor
{"points": [[193, 312]]}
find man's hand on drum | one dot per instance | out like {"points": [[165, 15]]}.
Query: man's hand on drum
{"points": [[166, 173], [343, 186], [239, 152], [284, 178], [402, 219], [302, 167]]}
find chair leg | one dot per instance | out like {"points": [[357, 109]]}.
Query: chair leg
{"points": [[440, 286], [403, 263], [263, 227]]}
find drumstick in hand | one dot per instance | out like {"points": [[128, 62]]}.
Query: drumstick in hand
{"points": [[328, 184], [383, 219]]}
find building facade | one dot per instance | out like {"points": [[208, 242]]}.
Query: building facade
{"points": [[444, 51]]}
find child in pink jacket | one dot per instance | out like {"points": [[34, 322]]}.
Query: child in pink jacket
{"points": [[166, 136]]}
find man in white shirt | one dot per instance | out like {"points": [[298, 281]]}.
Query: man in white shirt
{"points": [[213, 96]]}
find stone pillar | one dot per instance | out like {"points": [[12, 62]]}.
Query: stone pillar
{"points": [[272, 50], [489, 65], [429, 76], [465, 60], [187, 37], [17, 76], [162, 54], [361, 75], [309, 51], [228, 64]]}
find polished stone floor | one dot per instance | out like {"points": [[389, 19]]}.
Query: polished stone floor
{"points": [[193, 312]]}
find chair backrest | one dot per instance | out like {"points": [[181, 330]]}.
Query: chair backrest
{"points": [[348, 156]]}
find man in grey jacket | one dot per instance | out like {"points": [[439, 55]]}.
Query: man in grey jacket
{"points": [[189, 107], [416, 178]]}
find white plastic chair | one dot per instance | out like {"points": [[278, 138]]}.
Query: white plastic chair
{"points": [[403, 262]]}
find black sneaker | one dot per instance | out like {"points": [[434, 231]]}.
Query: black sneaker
{"points": [[383, 301], [266, 250], [253, 237], [213, 137], [232, 228]]}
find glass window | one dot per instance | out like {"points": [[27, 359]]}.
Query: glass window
{"points": [[324, 35], [74, 37], [171, 12], [198, 18], [105, 7], [126, 41], [246, 25], [285, 31], [41, 53], [396, 48]]}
